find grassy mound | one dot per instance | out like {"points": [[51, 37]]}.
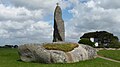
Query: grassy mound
{"points": [[66, 47]]}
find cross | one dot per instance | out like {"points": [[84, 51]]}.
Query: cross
{"points": [[57, 4]]}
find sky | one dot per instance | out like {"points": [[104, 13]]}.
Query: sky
{"points": [[31, 21]]}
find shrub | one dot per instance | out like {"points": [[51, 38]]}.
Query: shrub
{"points": [[86, 42], [114, 44]]}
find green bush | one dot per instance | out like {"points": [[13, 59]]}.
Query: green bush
{"points": [[86, 42], [101, 46], [114, 44]]}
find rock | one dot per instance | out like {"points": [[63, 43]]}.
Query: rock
{"points": [[58, 56], [37, 53], [59, 31], [92, 53], [78, 54], [34, 53]]}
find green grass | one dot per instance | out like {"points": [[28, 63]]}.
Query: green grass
{"points": [[9, 58], [113, 54], [63, 46]]}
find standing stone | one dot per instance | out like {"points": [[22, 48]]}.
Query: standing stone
{"points": [[59, 31]]}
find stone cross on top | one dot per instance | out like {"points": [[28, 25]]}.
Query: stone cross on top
{"points": [[57, 4]]}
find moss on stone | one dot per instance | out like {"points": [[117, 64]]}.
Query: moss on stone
{"points": [[66, 47]]}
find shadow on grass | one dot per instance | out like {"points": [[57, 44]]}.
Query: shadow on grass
{"points": [[19, 60]]}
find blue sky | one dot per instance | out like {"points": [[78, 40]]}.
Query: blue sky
{"points": [[24, 21]]}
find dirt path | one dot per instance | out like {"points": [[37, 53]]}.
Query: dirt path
{"points": [[108, 59]]}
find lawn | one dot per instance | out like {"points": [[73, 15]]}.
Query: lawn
{"points": [[10, 58], [113, 54]]}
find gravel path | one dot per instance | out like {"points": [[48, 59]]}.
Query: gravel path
{"points": [[108, 59]]}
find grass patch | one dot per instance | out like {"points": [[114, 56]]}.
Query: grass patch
{"points": [[9, 58], [113, 54], [66, 47]]}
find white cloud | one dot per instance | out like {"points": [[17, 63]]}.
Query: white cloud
{"points": [[39, 4], [28, 30], [108, 4], [23, 21], [91, 4], [22, 10], [19, 14], [92, 16], [35, 4]]}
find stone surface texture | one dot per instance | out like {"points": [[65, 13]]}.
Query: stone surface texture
{"points": [[59, 31], [37, 53]]}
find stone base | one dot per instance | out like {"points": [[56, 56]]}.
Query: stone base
{"points": [[37, 53]]}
